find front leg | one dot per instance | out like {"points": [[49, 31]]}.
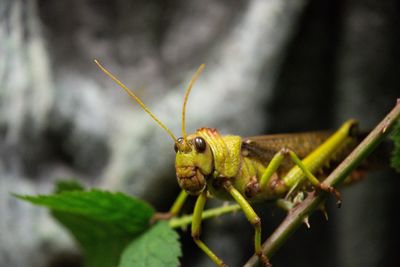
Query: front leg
{"points": [[174, 210], [196, 228], [252, 217]]}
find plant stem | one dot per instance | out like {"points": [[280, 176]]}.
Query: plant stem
{"points": [[210, 213], [297, 215]]}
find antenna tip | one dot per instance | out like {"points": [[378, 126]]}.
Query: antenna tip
{"points": [[99, 65]]}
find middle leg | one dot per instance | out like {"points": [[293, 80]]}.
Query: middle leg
{"points": [[253, 218]]}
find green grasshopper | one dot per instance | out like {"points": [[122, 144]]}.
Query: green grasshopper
{"points": [[247, 170]]}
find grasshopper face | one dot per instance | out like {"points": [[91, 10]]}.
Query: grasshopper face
{"points": [[193, 162]]}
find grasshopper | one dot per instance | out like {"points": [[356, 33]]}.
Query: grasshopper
{"points": [[247, 170]]}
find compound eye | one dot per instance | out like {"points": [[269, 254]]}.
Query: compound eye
{"points": [[200, 144], [180, 140]]}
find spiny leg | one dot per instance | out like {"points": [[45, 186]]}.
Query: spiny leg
{"points": [[196, 228], [322, 154], [276, 162], [313, 180], [253, 218]]}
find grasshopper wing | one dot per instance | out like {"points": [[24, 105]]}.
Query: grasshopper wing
{"points": [[263, 148]]}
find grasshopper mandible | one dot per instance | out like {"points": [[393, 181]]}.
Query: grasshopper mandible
{"points": [[247, 170]]}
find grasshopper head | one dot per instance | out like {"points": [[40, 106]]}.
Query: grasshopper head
{"points": [[193, 162]]}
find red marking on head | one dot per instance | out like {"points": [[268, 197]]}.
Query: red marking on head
{"points": [[210, 131]]}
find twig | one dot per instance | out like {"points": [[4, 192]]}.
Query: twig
{"points": [[296, 216], [210, 213]]}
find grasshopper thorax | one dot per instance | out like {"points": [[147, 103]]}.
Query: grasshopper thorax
{"points": [[193, 162]]}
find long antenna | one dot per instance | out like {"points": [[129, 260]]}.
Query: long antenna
{"points": [[189, 88], [137, 99]]}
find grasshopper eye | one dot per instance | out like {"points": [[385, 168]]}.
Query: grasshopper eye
{"points": [[180, 139], [200, 144]]}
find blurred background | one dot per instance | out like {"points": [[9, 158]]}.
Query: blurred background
{"points": [[272, 66]]}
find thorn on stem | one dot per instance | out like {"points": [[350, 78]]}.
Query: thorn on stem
{"points": [[385, 126], [332, 191], [324, 212], [264, 260], [307, 222]]}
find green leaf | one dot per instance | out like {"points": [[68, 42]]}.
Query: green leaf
{"points": [[102, 222], [395, 136], [129, 214], [157, 247], [68, 185]]}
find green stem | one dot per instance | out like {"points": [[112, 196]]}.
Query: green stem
{"points": [[296, 216], [210, 213]]}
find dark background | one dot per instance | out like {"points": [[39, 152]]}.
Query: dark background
{"points": [[272, 67]]}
